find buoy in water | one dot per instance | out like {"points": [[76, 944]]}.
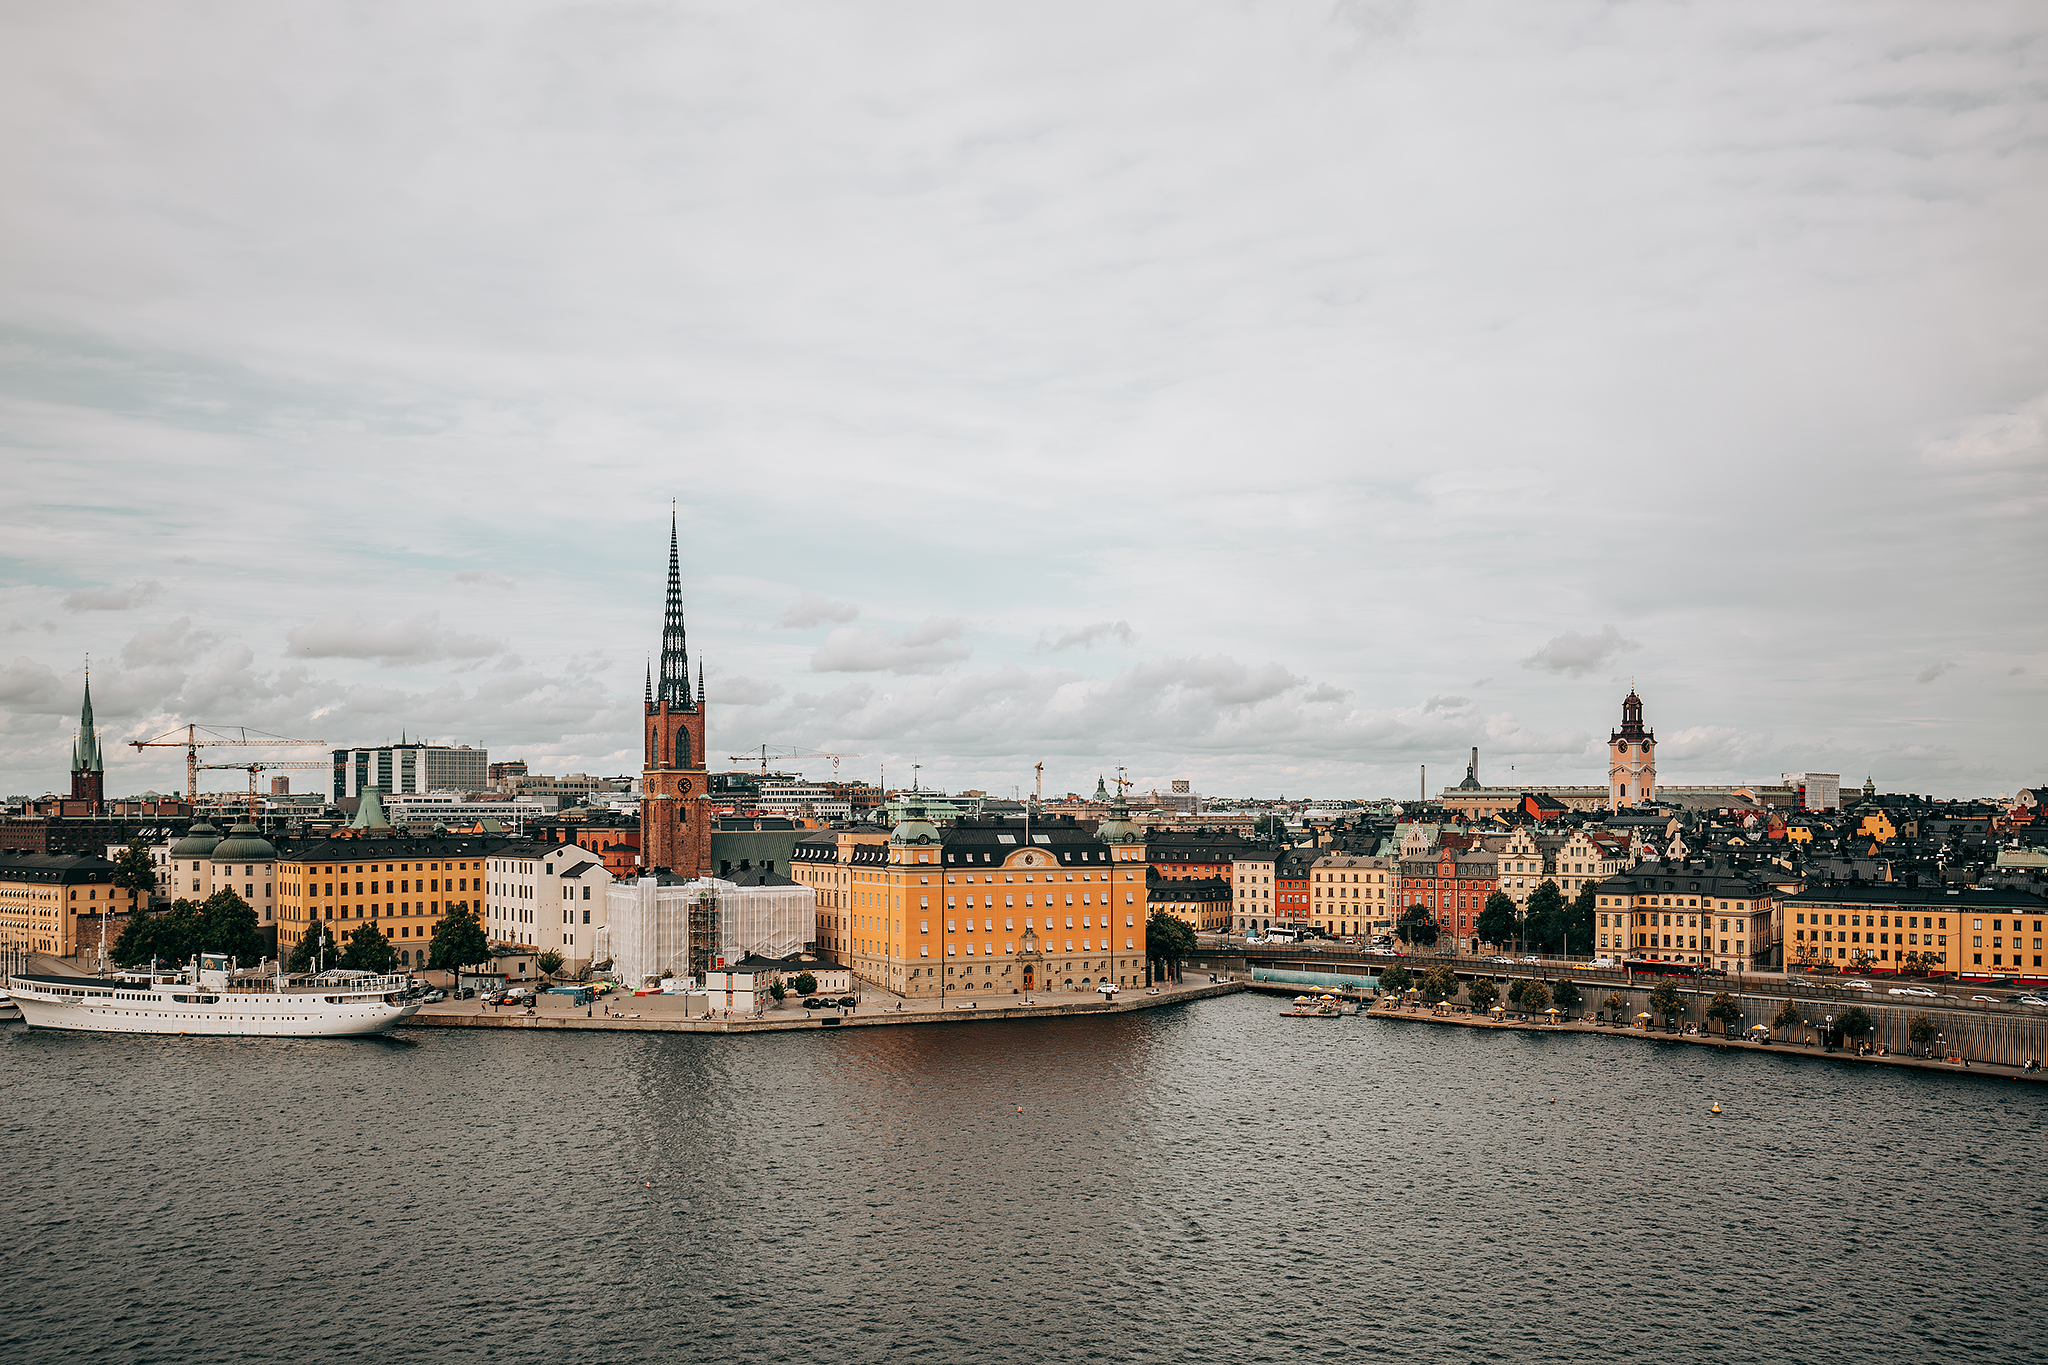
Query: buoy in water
{"points": [[1716, 1109]]}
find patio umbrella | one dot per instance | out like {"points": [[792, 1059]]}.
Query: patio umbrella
{"points": [[1643, 1015], [1551, 1010]]}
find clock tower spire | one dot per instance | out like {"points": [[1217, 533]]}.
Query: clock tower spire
{"points": [[675, 817], [1631, 758]]}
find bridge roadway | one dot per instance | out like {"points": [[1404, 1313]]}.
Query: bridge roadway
{"points": [[1213, 954]]}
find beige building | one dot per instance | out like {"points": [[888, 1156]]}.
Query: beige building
{"points": [[1352, 895], [53, 902], [1251, 885], [1679, 913], [825, 862], [204, 861]]}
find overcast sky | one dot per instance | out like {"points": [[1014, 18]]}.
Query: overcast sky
{"points": [[1278, 396]]}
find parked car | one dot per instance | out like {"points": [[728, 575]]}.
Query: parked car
{"points": [[464, 993], [435, 996], [2037, 1001], [1914, 990], [1532, 961], [848, 1001]]}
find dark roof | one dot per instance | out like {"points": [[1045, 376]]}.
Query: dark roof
{"points": [[56, 868], [1892, 893], [990, 839], [1188, 890], [758, 877], [402, 848]]}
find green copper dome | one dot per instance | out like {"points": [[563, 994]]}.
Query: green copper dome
{"points": [[244, 844], [198, 842]]}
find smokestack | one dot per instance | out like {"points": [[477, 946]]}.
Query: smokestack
{"points": [[1423, 794]]}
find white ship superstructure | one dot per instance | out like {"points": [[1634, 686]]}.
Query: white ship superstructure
{"points": [[211, 998]]}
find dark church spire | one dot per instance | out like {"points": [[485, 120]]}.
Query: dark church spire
{"points": [[674, 691]]}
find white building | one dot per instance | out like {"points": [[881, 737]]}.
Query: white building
{"points": [[419, 814], [548, 896], [204, 861], [1816, 791], [410, 768], [801, 800], [755, 914]]}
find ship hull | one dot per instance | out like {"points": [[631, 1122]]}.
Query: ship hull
{"points": [[96, 1007]]}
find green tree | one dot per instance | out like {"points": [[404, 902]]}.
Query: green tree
{"points": [[805, 983], [1416, 927], [1920, 1031], [1516, 990], [459, 941], [1169, 942], [1497, 921], [549, 963], [1726, 1011], [368, 951], [776, 991], [1853, 1021], [134, 872], [1580, 920], [1271, 827], [319, 942], [1396, 979], [1536, 999], [1617, 1007], [1566, 994], [1788, 1017], [1545, 924], [222, 923], [1665, 1001], [1440, 982], [1482, 993]]}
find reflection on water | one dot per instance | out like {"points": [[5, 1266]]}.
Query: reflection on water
{"points": [[1209, 1182]]}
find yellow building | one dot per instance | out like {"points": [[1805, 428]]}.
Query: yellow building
{"points": [[52, 902], [1724, 918], [998, 905], [404, 886], [1251, 888], [824, 862], [1351, 894]]}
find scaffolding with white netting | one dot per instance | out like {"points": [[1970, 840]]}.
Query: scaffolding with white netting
{"points": [[664, 925]]}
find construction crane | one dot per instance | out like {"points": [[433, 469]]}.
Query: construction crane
{"points": [[768, 751], [255, 768], [192, 744]]}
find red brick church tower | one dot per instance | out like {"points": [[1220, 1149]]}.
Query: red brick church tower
{"points": [[675, 815]]}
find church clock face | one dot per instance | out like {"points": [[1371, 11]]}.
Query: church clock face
{"points": [[684, 785]]}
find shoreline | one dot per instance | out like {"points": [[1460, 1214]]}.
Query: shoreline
{"points": [[1975, 1070], [980, 1012]]}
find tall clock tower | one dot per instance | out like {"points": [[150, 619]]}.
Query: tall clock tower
{"points": [[1631, 758], [675, 814]]}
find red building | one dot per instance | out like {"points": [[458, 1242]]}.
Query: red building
{"points": [[1452, 885], [676, 818]]}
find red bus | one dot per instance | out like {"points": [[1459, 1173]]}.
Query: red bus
{"points": [[1650, 966]]}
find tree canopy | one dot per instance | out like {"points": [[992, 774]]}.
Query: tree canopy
{"points": [[1270, 827], [316, 946], [222, 923], [134, 872], [368, 951], [1416, 926], [549, 962], [1396, 979], [1168, 939], [458, 941], [1725, 1009], [1566, 993], [1920, 1030], [1787, 1016], [1440, 982], [1497, 922], [1536, 997], [1666, 1000], [1482, 992]]}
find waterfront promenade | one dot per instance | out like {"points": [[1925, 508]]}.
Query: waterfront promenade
{"points": [[665, 1014], [1390, 1011]]}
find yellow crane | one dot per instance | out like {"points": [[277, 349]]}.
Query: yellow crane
{"points": [[255, 768], [192, 743]]}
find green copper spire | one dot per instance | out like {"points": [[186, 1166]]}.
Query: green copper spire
{"points": [[85, 749]]}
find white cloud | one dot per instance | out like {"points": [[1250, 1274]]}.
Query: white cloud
{"points": [[413, 639], [925, 648], [1575, 655], [733, 689], [815, 609], [173, 643], [478, 578], [1086, 637], [139, 593]]}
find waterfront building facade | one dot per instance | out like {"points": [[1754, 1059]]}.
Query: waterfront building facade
{"points": [[1251, 878], [1352, 894], [53, 903], [1885, 926], [404, 886], [1709, 914], [549, 897], [999, 905], [823, 861]]}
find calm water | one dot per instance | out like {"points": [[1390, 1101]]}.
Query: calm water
{"points": [[1205, 1183]]}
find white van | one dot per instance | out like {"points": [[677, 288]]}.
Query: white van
{"points": [[1279, 936]]}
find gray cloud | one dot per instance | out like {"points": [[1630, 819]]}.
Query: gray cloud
{"points": [[1574, 655], [139, 593], [1446, 704], [815, 609], [1933, 671], [48, 627], [414, 639], [732, 689], [173, 643], [1087, 637], [478, 578], [926, 648]]}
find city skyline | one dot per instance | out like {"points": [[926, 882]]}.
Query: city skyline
{"points": [[1279, 401]]}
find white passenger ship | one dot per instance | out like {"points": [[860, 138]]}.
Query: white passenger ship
{"points": [[209, 997]]}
